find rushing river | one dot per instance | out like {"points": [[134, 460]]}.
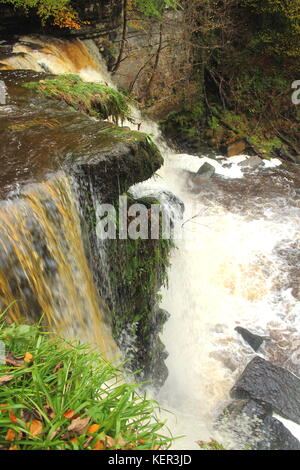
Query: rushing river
{"points": [[236, 263]]}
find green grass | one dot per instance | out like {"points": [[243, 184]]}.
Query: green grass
{"points": [[94, 99], [63, 382]]}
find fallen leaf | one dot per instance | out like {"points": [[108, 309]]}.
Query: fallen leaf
{"points": [[98, 446], [28, 358], [11, 360], [120, 441], [78, 425], [93, 429], [10, 435], [12, 417], [4, 408], [29, 415], [50, 412], [35, 427], [69, 414], [5, 379]]}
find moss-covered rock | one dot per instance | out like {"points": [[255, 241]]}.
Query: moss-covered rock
{"points": [[92, 98], [124, 158], [137, 270]]}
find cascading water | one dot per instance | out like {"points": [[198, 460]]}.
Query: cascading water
{"points": [[43, 263], [57, 56], [237, 263]]}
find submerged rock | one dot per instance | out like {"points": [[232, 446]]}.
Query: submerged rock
{"points": [[272, 385], [206, 170], [255, 341]]}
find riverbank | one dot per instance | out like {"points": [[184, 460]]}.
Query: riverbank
{"points": [[61, 395]]}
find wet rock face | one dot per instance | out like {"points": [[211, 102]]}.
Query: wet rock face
{"points": [[40, 135], [131, 160], [255, 341], [252, 425], [272, 385]]}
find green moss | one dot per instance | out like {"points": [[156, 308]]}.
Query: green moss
{"points": [[138, 269], [94, 99]]}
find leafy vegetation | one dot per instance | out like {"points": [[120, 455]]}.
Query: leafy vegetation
{"points": [[155, 8], [57, 395], [241, 59], [275, 24], [94, 99], [58, 12]]}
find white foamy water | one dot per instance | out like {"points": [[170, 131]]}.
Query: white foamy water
{"points": [[225, 272]]}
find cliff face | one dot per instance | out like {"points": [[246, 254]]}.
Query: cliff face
{"points": [[103, 17]]}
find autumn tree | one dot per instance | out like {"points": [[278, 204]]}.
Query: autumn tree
{"points": [[58, 12]]}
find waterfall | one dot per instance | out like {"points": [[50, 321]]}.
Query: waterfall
{"points": [[57, 56], [236, 263], [43, 263]]}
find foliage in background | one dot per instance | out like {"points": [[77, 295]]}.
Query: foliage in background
{"points": [[155, 8], [59, 12], [276, 24], [57, 395]]}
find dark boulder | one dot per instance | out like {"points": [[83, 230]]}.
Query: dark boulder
{"points": [[248, 407], [251, 424], [272, 385], [171, 205], [206, 170], [255, 341], [276, 436]]}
